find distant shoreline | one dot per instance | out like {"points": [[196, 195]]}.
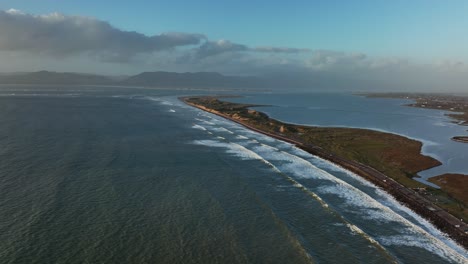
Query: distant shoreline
{"points": [[443, 220], [451, 103], [461, 139]]}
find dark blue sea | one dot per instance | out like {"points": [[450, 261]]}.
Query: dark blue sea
{"points": [[127, 175]]}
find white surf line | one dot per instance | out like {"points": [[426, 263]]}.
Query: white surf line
{"points": [[205, 121], [162, 100], [232, 147], [312, 194], [208, 122], [199, 127], [253, 155], [386, 198], [351, 226], [229, 131], [273, 148], [222, 129], [330, 165], [450, 251], [325, 205], [151, 98], [433, 234], [441, 248]]}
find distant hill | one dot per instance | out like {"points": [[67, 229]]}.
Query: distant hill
{"points": [[210, 80], [278, 80], [161, 79], [46, 77], [192, 80]]}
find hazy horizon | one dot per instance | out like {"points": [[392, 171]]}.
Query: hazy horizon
{"points": [[398, 46], [233, 131]]}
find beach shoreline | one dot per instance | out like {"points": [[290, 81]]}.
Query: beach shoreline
{"points": [[446, 222]]}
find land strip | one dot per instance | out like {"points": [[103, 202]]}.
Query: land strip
{"points": [[387, 160], [458, 104], [460, 139]]}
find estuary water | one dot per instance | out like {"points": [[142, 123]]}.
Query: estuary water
{"points": [[114, 175], [432, 127]]}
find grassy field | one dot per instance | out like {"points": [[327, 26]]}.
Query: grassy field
{"points": [[456, 186]]}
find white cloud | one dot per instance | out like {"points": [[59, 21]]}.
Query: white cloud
{"points": [[213, 48], [59, 35], [279, 49], [76, 43]]}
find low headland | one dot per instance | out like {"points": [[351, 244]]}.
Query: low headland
{"points": [[461, 139], [390, 161], [458, 104]]}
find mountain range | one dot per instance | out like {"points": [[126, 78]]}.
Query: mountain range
{"points": [[145, 79], [207, 80]]}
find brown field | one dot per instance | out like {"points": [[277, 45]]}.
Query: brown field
{"points": [[455, 184]]}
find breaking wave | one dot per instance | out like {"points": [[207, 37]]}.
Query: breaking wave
{"points": [[358, 201]]}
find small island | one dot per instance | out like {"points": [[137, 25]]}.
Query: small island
{"points": [[390, 161], [461, 139]]}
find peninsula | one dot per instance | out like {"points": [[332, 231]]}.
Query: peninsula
{"points": [[388, 160], [457, 104]]}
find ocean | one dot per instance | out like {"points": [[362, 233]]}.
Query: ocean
{"points": [[126, 175]]}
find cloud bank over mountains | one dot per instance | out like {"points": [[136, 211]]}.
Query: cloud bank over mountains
{"points": [[56, 41], [59, 35]]}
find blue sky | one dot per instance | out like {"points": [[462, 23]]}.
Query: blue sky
{"points": [[414, 42], [425, 30]]}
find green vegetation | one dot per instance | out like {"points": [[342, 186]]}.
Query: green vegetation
{"points": [[454, 186], [397, 157]]}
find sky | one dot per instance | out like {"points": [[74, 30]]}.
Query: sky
{"points": [[376, 39]]}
